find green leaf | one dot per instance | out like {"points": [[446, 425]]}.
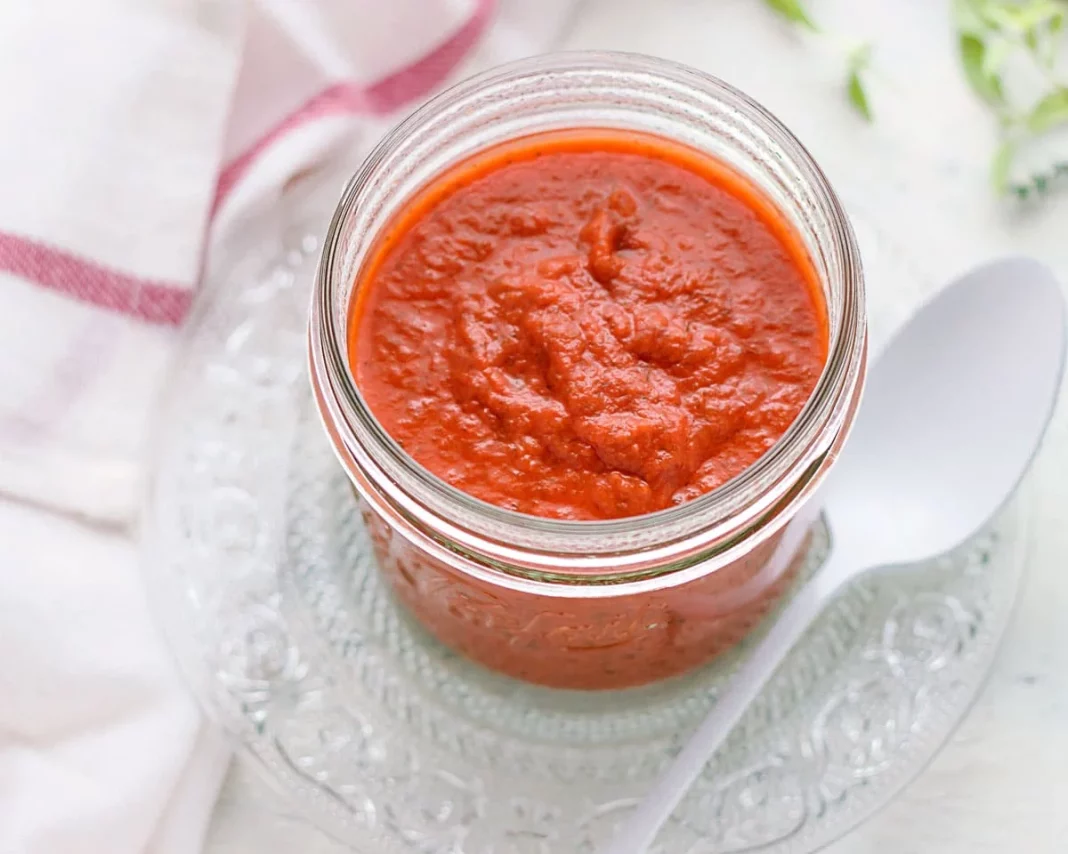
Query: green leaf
{"points": [[1037, 13], [793, 11], [1049, 112], [1038, 22], [995, 53], [1000, 166], [1016, 18], [1005, 17], [972, 56], [967, 17], [858, 60], [857, 96]]}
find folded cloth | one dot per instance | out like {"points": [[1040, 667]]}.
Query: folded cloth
{"points": [[135, 133]]}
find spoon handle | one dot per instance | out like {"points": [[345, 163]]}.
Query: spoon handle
{"points": [[641, 827]]}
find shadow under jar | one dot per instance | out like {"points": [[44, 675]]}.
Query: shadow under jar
{"points": [[608, 603]]}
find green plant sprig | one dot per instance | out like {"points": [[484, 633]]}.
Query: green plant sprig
{"points": [[857, 57], [992, 34]]}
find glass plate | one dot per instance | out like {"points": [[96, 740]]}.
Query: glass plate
{"points": [[260, 571]]}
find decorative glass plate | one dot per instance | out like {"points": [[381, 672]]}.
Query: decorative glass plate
{"points": [[260, 572]]}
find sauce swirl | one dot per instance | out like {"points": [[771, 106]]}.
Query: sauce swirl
{"points": [[588, 325]]}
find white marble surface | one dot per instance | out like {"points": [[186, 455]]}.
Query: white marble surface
{"points": [[920, 174]]}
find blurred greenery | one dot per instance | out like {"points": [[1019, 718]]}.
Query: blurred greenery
{"points": [[998, 42]]}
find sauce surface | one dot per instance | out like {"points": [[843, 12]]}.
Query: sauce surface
{"points": [[588, 325]]}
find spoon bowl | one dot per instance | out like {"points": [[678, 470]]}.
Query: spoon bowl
{"points": [[953, 413]]}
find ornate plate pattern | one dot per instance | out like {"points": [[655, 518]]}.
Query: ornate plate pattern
{"points": [[260, 571]]}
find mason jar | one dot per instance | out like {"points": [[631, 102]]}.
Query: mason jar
{"points": [[591, 604]]}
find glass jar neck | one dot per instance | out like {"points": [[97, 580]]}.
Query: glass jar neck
{"points": [[589, 90]]}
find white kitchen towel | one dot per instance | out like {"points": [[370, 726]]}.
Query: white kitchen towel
{"points": [[133, 131]]}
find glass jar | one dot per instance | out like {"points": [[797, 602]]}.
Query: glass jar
{"points": [[603, 604]]}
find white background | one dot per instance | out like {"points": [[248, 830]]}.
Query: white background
{"points": [[920, 174]]}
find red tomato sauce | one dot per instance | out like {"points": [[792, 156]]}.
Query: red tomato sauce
{"points": [[588, 325]]}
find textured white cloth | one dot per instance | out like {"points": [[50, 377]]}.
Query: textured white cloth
{"points": [[134, 132]]}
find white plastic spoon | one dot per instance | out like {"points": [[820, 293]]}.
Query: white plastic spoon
{"points": [[953, 413]]}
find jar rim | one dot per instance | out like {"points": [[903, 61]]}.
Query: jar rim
{"points": [[500, 529]]}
